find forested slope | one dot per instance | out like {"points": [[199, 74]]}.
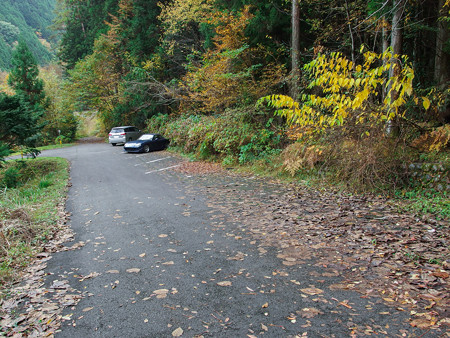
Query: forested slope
{"points": [[27, 19]]}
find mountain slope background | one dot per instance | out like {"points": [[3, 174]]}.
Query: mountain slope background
{"points": [[30, 21]]}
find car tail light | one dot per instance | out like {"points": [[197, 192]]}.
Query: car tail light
{"points": [[110, 134], [122, 134]]}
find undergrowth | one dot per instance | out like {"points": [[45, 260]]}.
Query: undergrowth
{"points": [[30, 193], [239, 136], [341, 159]]}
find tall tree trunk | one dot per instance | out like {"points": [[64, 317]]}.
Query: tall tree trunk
{"points": [[441, 58], [397, 30], [396, 45], [385, 46], [295, 50], [350, 31]]}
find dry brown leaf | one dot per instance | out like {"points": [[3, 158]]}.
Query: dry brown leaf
{"points": [[422, 323], [312, 291], [309, 312], [177, 332], [133, 270], [224, 283]]}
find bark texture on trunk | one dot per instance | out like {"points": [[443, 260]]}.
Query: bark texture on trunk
{"points": [[441, 60], [295, 51]]}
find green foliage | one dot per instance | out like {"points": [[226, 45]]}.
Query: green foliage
{"points": [[29, 212], [58, 118], [23, 77], [10, 178], [29, 20], [4, 151], [241, 135], [81, 23], [424, 201], [19, 123]]}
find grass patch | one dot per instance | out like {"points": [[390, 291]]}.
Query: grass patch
{"points": [[28, 211], [47, 147]]}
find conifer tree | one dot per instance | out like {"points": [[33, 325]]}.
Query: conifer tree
{"points": [[24, 76], [20, 113]]}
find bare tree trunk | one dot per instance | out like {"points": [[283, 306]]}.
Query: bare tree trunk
{"points": [[397, 32], [351, 31], [441, 58], [295, 50], [385, 46], [396, 45]]}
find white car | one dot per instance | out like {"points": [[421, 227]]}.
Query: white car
{"points": [[123, 134]]}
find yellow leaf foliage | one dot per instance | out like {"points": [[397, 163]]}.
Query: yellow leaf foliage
{"points": [[349, 92]]}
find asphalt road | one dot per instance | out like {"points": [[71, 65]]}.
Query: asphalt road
{"points": [[161, 264]]}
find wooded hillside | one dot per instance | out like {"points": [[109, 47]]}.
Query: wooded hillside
{"points": [[355, 88], [29, 20]]}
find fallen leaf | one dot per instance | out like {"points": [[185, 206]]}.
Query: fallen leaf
{"points": [[224, 283], [178, 332], [112, 271], [309, 312], [133, 270], [265, 305], [312, 291], [87, 309], [142, 255], [422, 323]]}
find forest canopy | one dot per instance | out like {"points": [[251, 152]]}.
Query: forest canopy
{"points": [[29, 20]]}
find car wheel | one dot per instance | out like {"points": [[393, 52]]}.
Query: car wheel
{"points": [[146, 149], [114, 144]]}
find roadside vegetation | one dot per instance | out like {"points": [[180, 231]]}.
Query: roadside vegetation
{"points": [[359, 104], [32, 195]]}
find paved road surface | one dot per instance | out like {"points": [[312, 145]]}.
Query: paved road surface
{"points": [[190, 272]]}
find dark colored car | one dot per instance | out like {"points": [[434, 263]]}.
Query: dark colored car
{"points": [[146, 143]]}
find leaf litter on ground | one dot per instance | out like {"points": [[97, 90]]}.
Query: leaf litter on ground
{"points": [[401, 258]]}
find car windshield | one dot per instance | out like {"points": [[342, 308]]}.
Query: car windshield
{"points": [[146, 137], [117, 130]]}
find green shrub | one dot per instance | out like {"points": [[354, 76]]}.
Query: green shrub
{"points": [[11, 178], [241, 135]]}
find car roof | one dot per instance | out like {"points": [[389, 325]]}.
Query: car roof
{"points": [[122, 127]]}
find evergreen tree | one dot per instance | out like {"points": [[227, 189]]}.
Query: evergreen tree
{"points": [[19, 114], [24, 76], [18, 122]]}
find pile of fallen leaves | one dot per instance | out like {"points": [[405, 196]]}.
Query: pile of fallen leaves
{"points": [[378, 251], [30, 309]]}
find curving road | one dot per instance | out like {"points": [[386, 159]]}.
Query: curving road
{"points": [[160, 261]]}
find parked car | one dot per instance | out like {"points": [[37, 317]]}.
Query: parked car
{"points": [[123, 134], [146, 143]]}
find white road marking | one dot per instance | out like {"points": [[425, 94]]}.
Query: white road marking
{"points": [[159, 159], [154, 171]]}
